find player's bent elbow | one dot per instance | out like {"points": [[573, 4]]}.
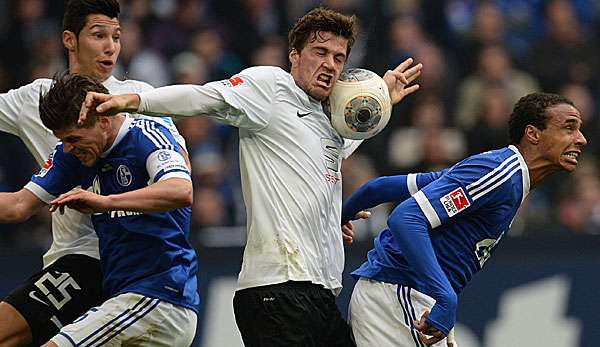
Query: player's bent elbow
{"points": [[185, 194]]}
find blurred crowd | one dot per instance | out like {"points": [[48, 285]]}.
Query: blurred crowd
{"points": [[479, 57]]}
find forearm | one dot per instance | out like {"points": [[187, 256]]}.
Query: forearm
{"points": [[410, 229], [18, 206], [181, 100], [166, 195]]}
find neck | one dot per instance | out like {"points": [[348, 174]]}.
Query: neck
{"points": [[115, 126], [539, 167]]}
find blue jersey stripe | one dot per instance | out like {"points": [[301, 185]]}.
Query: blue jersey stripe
{"points": [[493, 179], [487, 176], [136, 317]]}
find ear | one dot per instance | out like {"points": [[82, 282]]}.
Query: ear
{"points": [[532, 134], [294, 56], [104, 122], [69, 40]]}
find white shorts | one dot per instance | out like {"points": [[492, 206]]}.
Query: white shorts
{"points": [[382, 314], [131, 319]]}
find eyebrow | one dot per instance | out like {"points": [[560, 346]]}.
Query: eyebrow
{"points": [[104, 26]]}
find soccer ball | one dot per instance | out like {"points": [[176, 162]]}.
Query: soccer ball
{"points": [[359, 105]]}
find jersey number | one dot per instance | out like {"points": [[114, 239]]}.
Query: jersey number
{"points": [[60, 283]]}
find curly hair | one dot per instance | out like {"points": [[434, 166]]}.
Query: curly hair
{"points": [[531, 110], [59, 108], [321, 19]]}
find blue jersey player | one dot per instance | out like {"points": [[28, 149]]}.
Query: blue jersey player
{"points": [[448, 224], [130, 174]]}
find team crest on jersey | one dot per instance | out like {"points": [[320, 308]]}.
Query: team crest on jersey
{"points": [[233, 81], [47, 165], [124, 176], [455, 201], [164, 155]]}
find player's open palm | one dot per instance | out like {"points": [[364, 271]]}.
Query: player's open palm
{"points": [[80, 200], [399, 78]]}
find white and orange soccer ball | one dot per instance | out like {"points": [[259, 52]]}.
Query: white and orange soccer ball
{"points": [[359, 105]]}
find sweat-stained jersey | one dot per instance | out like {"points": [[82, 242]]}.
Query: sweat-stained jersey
{"points": [[290, 158], [72, 233], [144, 253], [468, 209]]}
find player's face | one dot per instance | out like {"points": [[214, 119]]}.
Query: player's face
{"points": [[97, 47], [87, 144], [562, 141], [319, 64]]}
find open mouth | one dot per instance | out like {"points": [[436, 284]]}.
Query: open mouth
{"points": [[572, 156], [324, 80], [107, 64]]}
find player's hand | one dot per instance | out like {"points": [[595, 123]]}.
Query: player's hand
{"points": [[80, 200], [107, 104], [399, 78], [428, 334], [347, 229]]}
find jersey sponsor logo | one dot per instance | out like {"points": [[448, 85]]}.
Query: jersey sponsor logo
{"points": [[455, 201], [123, 213], [233, 81], [164, 155], [47, 165], [124, 176]]}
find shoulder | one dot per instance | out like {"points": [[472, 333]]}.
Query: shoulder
{"points": [[148, 132], [132, 86], [35, 88], [265, 73]]}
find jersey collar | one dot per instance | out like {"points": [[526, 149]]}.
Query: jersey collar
{"points": [[524, 170], [122, 131]]}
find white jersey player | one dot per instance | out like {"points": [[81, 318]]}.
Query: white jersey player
{"points": [[290, 168], [70, 282]]}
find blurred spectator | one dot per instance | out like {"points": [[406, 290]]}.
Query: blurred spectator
{"points": [[491, 130], [220, 62], [272, 53], [579, 211], [494, 70], [137, 61], [565, 54], [428, 144], [189, 69]]}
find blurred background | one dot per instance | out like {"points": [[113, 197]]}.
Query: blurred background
{"points": [[479, 57]]}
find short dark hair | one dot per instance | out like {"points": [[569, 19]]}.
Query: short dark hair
{"points": [[76, 12], [59, 108], [531, 110], [321, 19]]}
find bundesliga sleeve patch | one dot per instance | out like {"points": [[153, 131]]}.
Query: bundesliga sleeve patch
{"points": [[455, 201], [233, 81], [47, 165]]}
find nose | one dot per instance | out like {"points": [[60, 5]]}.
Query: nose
{"points": [[581, 140], [329, 62], [110, 47]]}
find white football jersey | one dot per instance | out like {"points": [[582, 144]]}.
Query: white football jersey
{"points": [[290, 158], [72, 233]]}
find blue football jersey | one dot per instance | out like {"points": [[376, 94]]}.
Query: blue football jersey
{"points": [[145, 253], [468, 209]]}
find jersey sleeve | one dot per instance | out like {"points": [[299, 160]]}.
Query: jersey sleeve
{"points": [[11, 104], [465, 188], [59, 174], [163, 158]]}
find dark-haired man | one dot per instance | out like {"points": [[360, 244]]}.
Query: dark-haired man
{"points": [[290, 158], [131, 175], [437, 239], [70, 281]]}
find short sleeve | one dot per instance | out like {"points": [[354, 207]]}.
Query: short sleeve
{"points": [[250, 95], [465, 188], [59, 174]]}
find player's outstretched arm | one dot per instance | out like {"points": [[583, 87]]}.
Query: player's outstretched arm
{"points": [[165, 195], [400, 77], [107, 104], [18, 206]]}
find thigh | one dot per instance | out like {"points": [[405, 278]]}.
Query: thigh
{"points": [[378, 318], [56, 296], [131, 319]]}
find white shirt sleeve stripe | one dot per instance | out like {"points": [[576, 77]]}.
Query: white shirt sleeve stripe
{"points": [[39, 192], [411, 182], [517, 169], [493, 179], [491, 173], [427, 209]]}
